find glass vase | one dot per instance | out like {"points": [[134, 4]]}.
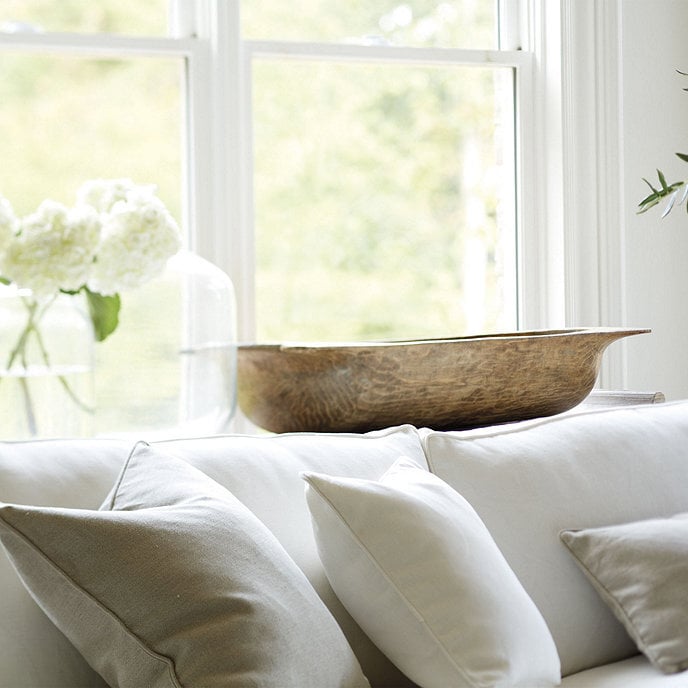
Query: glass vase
{"points": [[169, 369], [46, 366]]}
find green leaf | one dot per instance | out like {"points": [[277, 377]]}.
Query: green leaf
{"points": [[104, 312], [683, 156], [656, 191], [646, 205], [654, 196], [662, 180]]}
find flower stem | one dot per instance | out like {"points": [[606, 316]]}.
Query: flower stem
{"points": [[20, 348], [28, 401], [62, 379]]}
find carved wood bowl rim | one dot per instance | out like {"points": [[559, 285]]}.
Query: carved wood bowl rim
{"points": [[446, 383]]}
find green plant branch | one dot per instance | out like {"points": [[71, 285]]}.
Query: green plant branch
{"points": [[665, 190]]}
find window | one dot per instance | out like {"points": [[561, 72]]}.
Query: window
{"points": [[383, 167], [356, 167]]}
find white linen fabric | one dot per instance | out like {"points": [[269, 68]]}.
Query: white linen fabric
{"points": [[529, 481], [173, 583], [263, 472], [640, 570], [415, 566], [636, 672]]}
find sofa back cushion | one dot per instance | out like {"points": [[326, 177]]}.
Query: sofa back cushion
{"points": [[263, 472], [529, 481], [33, 652]]}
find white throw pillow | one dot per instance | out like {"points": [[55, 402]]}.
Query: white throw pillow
{"points": [[529, 481], [418, 570]]}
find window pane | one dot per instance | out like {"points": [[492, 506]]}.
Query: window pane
{"points": [[81, 16], [384, 201], [447, 23], [65, 120]]}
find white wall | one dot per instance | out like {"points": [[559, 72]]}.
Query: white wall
{"points": [[654, 124]]}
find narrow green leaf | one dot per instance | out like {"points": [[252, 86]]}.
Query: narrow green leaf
{"points": [[650, 185], [683, 156], [662, 180], [104, 312], [651, 197], [644, 208]]}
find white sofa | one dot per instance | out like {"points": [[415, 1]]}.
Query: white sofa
{"points": [[527, 482]]}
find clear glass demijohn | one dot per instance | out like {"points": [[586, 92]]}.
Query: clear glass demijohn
{"points": [[169, 369]]}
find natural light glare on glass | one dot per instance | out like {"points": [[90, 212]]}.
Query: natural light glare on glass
{"points": [[148, 17], [447, 23], [384, 201]]}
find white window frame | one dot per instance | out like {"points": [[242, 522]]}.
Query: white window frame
{"points": [[228, 139], [569, 204]]}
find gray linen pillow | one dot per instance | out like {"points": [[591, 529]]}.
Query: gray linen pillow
{"points": [[641, 571], [174, 582]]}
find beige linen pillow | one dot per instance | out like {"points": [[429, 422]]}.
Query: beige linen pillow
{"points": [[175, 583], [641, 571], [418, 570]]}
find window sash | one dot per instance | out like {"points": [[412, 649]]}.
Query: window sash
{"points": [[519, 61], [218, 164]]}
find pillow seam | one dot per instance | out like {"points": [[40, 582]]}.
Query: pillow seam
{"points": [[405, 429], [641, 642], [167, 661], [118, 483], [527, 424]]}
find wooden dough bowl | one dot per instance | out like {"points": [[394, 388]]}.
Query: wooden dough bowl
{"points": [[438, 383]]}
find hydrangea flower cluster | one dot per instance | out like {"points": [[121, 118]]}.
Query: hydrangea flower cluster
{"points": [[117, 236]]}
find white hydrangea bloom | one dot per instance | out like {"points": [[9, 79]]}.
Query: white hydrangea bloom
{"points": [[138, 237], [53, 250], [103, 194], [8, 226]]}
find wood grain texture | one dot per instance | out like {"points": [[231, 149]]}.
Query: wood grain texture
{"points": [[438, 383]]}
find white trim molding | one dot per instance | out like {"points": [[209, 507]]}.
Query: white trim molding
{"points": [[572, 262], [592, 152]]}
